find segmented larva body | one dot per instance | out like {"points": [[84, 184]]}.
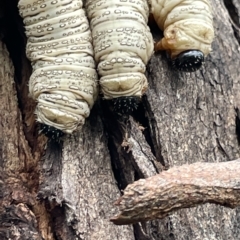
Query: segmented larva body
{"points": [[59, 46], [188, 30], [122, 45]]}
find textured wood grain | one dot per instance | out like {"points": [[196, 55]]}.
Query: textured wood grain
{"points": [[17, 181], [180, 187]]}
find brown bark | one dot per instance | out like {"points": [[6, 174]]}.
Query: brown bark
{"points": [[180, 187], [67, 190]]}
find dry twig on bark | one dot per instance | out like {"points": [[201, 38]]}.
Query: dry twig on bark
{"points": [[180, 187]]}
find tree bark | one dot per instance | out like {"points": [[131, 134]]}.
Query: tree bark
{"points": [[67, 190]]}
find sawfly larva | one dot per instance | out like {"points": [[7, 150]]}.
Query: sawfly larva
{"points": [[64, 79], [122, 45], [188, 31]]}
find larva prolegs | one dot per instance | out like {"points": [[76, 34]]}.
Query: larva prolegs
{"points": [[126, 105], [51, 132]]}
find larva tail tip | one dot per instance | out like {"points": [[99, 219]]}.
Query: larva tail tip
{"points": [[51, 132], [189, 61], [125, 105]]}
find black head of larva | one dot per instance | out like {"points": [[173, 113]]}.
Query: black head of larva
{"points": [[189, 61], [125, 105], [51, 132]]}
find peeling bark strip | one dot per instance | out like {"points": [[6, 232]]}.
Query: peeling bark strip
{"points": [[180, 187]]}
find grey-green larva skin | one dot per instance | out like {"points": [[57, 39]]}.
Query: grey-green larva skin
{"points": [[122, 43], [59, 46]]}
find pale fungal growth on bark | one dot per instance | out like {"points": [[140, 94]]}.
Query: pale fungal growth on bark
{"points": [[123, 45], [188, 31], [64, 79]]}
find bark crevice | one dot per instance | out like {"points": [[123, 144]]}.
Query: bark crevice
{"points": [[234, 14]]}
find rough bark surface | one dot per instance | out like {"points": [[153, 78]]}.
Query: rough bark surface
{"points": [[67, 190]]}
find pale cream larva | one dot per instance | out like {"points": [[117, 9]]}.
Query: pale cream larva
{"points": [[64, 79], [188, 30], [122, 45]]}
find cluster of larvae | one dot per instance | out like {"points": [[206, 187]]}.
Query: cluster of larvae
{"points": [[63, 52]]}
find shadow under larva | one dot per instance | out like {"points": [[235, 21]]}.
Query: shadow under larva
{"points": [[64, 79]]}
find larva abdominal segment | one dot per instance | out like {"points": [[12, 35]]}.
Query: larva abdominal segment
{"points": [[188, 30], [59, 46], [122, 45]]}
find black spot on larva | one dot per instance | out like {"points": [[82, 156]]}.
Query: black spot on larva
{"points": [[188, 61], [51, 132], [125, 105]]}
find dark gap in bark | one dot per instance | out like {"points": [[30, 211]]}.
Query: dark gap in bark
{"points": [[15, 40], [50, 192], [13, 33], [120, 160], [140, 116], [234, 16], [155, 30], [139, 232], [233, 11], [170, 228], [118, 172], [50, 187], [156, 233], [138, 174], [62, 229], [150, 132], [220, 147], [157, 34], [237, 121]]}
